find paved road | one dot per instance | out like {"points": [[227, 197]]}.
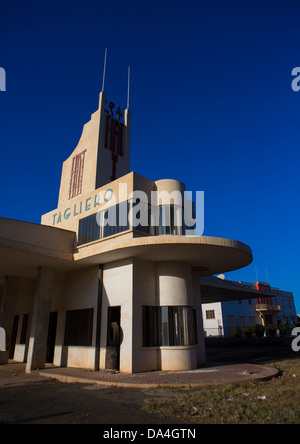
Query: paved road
{"points": [[31, 399], [51, 402]]}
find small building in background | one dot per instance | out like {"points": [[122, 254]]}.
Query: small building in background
{"points": [[243, 304]]}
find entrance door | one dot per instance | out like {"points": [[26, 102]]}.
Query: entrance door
{"points": [[268, 320], [112, 359], [230, 325], [51, 337], [13, 337]]}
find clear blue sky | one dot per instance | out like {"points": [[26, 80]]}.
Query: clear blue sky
{"points": [[211, 103]]}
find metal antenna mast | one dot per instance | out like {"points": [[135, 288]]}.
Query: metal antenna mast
{"points": [[104, 69], [128, 87]]}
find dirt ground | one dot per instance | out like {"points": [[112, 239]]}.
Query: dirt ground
{"points": [[30, 399]]}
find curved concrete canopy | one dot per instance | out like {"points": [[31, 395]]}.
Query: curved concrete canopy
{"points": [[209, 255], [25, 246]]}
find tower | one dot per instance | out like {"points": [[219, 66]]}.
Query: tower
{"points": [[102, 154]]}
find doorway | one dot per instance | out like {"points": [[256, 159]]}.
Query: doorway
{"points": [[51, 337], [112, 359], [13, 337], [268, 320]]}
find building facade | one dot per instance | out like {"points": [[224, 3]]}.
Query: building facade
{"points": [[270, 307], [110, 279]]}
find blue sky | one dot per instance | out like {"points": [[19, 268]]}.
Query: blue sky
{"points": [[211, 101]]}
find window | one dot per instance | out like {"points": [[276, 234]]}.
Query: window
{"points": [[179, 327], [169, 326], [105, 223], [242, 321], [150, 326], [170, 220], [143, 217], [147, 219], [210, 314], [79, 327], [89, 230], [252, 321], [230, 325], [76, 175], [115, 219]]}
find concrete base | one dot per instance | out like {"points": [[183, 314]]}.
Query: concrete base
{"points": [[3, 357]]}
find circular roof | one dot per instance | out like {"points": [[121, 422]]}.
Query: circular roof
{"points": [[209, 255]]}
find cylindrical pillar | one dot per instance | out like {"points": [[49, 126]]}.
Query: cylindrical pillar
{"points": [[175, 296]]}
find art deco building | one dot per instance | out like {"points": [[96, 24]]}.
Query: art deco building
{"points": [[89, 287]]}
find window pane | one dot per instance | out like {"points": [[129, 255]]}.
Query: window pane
{"points": [[150, 326], [164, 326], [210, 314], [169, 326], [89, 230], [170, 220], [79, 327]]}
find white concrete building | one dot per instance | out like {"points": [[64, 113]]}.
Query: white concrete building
{"points": [[89, 287], [261, 304]]}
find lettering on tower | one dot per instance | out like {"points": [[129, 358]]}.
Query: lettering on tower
{"points": [[76, 175], [114, 135]]}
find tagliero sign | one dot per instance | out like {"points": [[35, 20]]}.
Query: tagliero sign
{"points": [[83, 206]]}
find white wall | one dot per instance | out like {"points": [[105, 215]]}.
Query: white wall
{"points": [[73, 291], [117, 291]]}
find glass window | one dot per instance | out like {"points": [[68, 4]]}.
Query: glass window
{"points": [[150, 326], [169, 326], [89, 230], [170, 220], [79, 327], [141, 217], [105, 223], [115, 219], [210, 314], [252, 320]]}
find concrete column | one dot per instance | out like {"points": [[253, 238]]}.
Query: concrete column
{"points": [[37, 349], [174, 280], [8, 306]]}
